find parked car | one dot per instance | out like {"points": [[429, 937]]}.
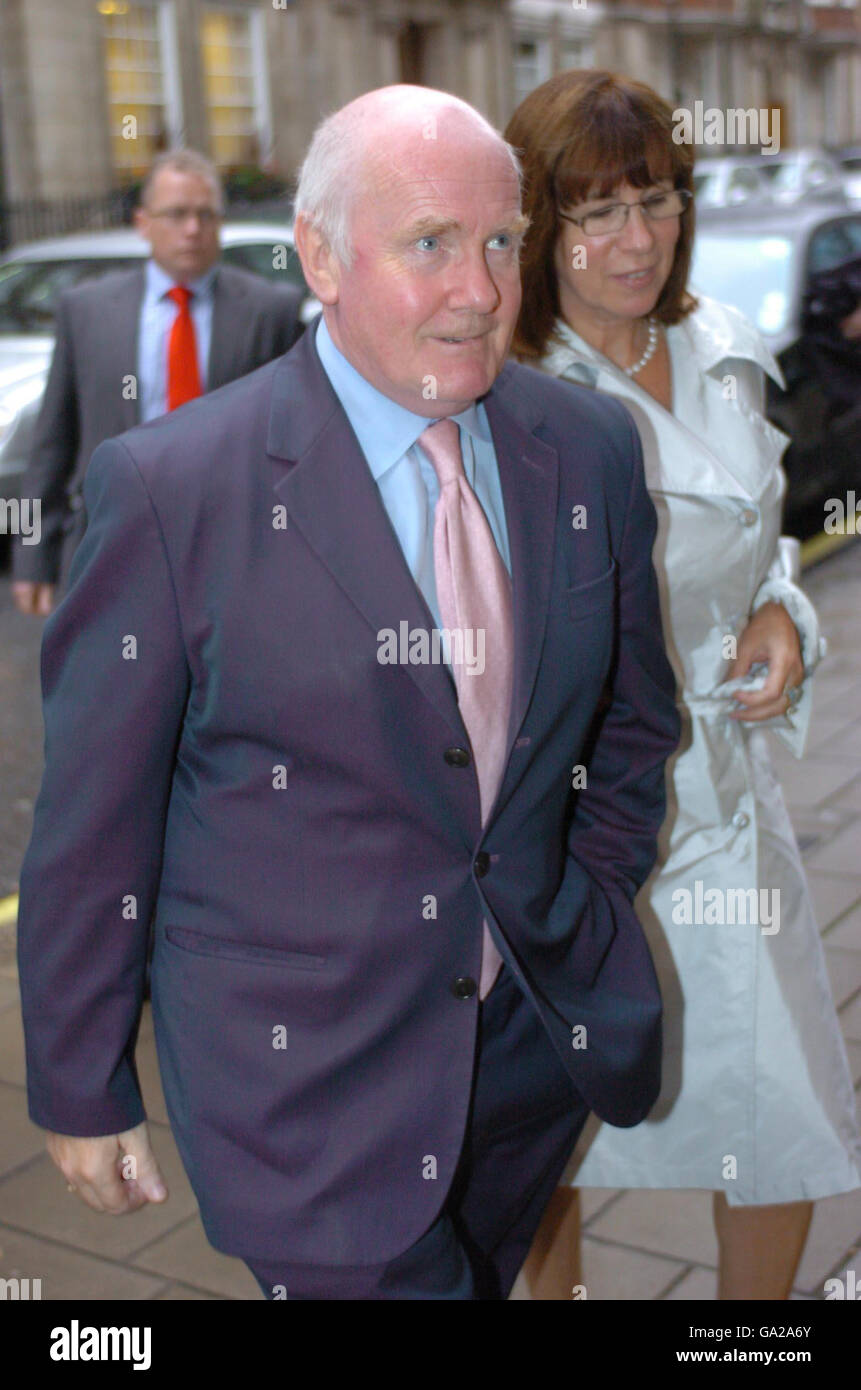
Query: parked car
{"points": [[848, 159], [32, 278], [722, 183], [778, 266], [800, 176]]}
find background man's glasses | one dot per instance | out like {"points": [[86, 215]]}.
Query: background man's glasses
{"points": [[613, 218], [176, 216]]}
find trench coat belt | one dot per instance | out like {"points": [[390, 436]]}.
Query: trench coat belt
{"points": [[707, 706]]}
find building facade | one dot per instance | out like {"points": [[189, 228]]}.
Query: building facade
{"points": [[802, 57], [90, 90]]}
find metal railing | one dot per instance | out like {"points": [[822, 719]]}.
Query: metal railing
{"points": [[27, 219], [248, 193]]}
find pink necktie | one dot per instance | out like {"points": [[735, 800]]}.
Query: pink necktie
{"points": [[474, 593]]}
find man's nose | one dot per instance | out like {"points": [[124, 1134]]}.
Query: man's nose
{"points": [[473, 286], [638, 233]]}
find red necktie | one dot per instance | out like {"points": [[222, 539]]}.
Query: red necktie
{"points": [[183, 378]]}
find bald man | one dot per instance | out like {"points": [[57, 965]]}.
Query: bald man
{"points": [[331, 651]]}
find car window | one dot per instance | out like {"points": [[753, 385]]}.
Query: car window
{"points": [[29, 290], [788, 176], [818, 171], [752, 273], [775, 170], [833, 244], [745, 179], [274, 260]]}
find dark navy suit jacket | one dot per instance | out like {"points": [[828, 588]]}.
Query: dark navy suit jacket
{"points": [[225, 751]]}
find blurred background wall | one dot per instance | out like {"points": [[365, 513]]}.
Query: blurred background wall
{"points": [[91, 89]]}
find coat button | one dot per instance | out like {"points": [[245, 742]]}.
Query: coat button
{"points": [[76, 502], [481, 864], [740, 820], [749, 517], [463, 987], [456, 757]]}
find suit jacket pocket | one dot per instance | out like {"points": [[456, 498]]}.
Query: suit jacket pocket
{"points": [[187, 939], [593, 596]]}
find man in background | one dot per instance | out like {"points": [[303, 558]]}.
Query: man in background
{"points": [[137, 343]]}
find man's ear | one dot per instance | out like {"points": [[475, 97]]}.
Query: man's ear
{"points": [[141, 221], [319, 265]]}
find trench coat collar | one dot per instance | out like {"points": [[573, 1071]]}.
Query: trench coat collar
{"points": [[716, 331], [677, 460], [713, 333]]}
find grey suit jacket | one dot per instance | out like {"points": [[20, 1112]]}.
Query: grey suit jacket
{"points": [[88, 397]]}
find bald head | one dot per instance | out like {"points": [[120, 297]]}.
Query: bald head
{"points": [[375, 136], [406, 113]]}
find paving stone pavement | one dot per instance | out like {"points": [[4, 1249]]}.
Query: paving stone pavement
{"points": [[638, 1245]]}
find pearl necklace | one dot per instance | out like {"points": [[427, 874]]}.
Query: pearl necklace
{"points": [[650, 350]]}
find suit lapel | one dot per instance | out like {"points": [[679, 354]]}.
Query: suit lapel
{"points": [[125, 309], [323, 479], [224, 345], [331, 496], [529, 475]]}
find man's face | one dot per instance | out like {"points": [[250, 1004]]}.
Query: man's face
{"points": [[181, 223], [427, 310]]}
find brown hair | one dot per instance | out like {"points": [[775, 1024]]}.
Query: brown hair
{"points": [[580, 135]]}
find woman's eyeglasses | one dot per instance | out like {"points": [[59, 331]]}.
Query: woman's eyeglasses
{"points": [[613, 218]]}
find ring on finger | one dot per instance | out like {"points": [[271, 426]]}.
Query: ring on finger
{"points": [[70, 1187], [793, 695]]}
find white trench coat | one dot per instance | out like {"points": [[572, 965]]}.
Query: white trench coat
{"points": [[756, 1099]]}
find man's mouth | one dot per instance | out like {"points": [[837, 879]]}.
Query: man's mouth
{"points": [[462, 338]]}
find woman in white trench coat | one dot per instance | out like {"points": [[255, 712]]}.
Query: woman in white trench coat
{"points": [[756, 1103]]}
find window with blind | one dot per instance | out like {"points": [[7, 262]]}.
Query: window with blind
{"points": [[141, 122], [234, 74]]}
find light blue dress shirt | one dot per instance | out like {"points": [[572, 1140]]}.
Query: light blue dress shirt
{"points": [[387, 433], [156, 320]]}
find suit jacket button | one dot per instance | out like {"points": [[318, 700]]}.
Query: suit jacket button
{"points": [[463, 987], [457, 757], [481, 864]]}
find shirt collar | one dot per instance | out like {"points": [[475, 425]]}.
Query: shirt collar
{"points": [[158, 282], [714, 332], [385, 430], [565, 347]]}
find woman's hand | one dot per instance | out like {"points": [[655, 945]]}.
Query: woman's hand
{"points": [[770, 637]]}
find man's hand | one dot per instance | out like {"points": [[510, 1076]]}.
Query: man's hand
{"points": [[771, 637], [116, 1173], [33, 598]]}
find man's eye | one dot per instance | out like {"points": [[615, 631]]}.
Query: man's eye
{"points": [[423, 243], [504, 240]]}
